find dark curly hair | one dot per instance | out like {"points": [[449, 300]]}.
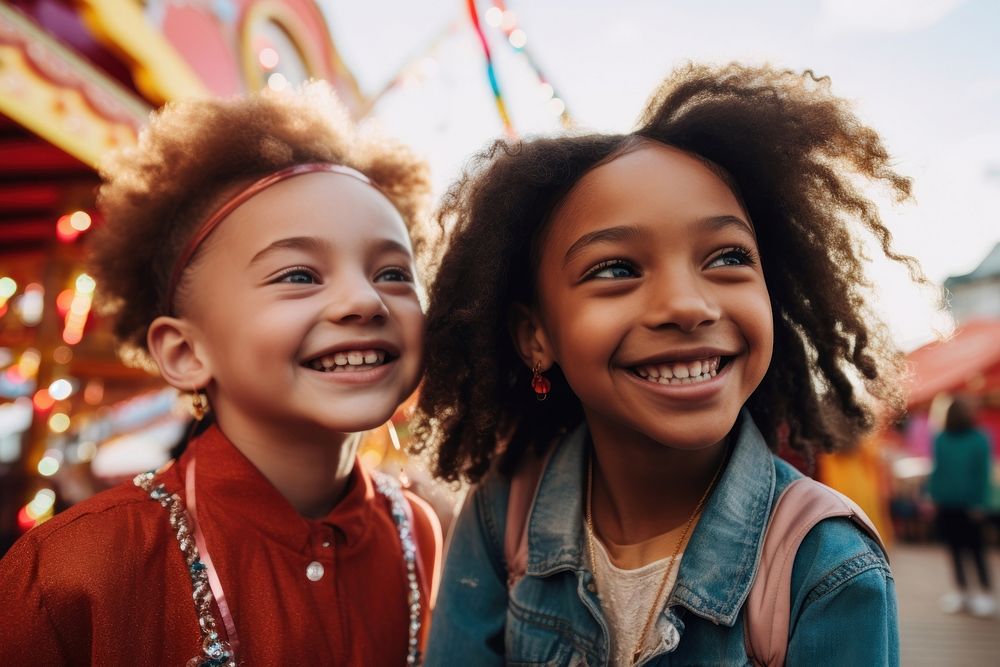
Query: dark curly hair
{"points": [[195, 154], [789, 149]]}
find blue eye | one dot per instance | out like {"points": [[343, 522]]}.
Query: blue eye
{"points": [[736, 256], [612, 269], [394, 274], [298, 276]]}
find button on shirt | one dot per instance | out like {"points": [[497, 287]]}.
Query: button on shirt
{"points": [[105, 583]]}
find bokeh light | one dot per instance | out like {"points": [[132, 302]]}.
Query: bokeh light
{"points": [[61, 389], [59, 422], [48, 466], [80, 221]]}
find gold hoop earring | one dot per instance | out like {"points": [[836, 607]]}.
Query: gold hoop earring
{"points": [[199, 405]]}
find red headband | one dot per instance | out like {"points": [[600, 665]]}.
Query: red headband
{"points": [[239, 198]]}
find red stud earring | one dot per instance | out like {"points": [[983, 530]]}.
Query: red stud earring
{"points": [[540, 383]]}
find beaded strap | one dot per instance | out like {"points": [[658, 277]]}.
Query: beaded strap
{"points": [[215, 652], [389, 488]]}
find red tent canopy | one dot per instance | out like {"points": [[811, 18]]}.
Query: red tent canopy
{"points": [[967, 362]]}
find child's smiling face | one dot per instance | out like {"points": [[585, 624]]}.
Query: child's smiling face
{"points": [[652, 299], [306, 310]]}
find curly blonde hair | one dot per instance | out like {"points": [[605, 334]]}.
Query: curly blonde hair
{"points": [[195, 154]]}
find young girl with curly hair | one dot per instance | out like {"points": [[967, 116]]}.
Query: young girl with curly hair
{"points": [[685, 298], [255, 252]]}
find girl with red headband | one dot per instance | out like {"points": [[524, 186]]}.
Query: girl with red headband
{"points": [[256, 254]]}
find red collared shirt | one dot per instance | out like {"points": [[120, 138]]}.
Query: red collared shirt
{"points": [[105, 582]]}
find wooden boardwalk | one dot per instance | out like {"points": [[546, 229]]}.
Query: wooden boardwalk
{"points": [[929, 636]]}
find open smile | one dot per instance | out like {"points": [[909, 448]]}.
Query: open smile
{"points": [[350, 361], [682, 372], [353, 367], [690, 379]]}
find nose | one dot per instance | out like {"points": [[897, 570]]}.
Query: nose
{"points": [[681, 300], [354, 299]]}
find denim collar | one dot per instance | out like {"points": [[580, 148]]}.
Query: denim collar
{"points": [[721, 557]]}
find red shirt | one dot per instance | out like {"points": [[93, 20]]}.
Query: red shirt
{"points": [[105, 582]]}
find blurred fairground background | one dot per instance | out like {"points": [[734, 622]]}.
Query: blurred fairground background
{"points": [[78, 78]]}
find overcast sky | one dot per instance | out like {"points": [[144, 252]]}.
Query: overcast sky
{"points": [[925, 73]]}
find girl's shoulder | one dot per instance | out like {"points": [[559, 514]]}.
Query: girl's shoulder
{"points": [[839, 536], [489, 499], [107, 563], [92, 539], [832, 554]]}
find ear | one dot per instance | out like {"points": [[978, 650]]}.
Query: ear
{"points": [[173, 345], [529, 336]]}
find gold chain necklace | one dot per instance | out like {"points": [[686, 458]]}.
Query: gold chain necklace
{"points": [[673, 559]]}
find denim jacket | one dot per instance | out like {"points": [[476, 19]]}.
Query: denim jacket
{"points": [[843, 606]]}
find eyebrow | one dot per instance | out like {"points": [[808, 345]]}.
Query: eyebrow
{"points": [[391, 245], [719, 222], [305, 243], [315, 245], [608, 235]]}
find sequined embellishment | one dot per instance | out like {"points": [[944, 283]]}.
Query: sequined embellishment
{"points": [[389, 488], [216, 652]]}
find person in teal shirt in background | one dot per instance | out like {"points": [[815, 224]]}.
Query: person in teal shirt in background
{"points": [[960, 488]]}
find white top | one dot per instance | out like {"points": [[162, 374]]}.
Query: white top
{"points": [[627, 597]]}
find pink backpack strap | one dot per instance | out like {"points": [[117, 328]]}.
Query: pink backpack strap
{"points": [[523, 490], [804, 503]]}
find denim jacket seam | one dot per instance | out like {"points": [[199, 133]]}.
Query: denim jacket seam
{"points": [[846, 571], [556, 624]]}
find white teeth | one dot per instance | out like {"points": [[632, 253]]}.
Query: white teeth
{"points": [[690, 372], [340, 361]]}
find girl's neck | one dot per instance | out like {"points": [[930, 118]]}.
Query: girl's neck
{"points": [[642, 488], [311, 470]]}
